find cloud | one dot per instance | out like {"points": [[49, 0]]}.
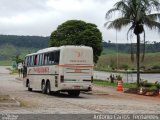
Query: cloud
{"points": [[41, 17], [10, 8]]}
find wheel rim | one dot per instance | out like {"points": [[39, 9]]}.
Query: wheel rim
{"points": [[48, 91]]}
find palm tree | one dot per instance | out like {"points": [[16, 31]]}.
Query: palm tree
{"points": [[137, 14]]}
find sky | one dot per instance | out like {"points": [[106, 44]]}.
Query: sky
{"points": [[42, 17]]}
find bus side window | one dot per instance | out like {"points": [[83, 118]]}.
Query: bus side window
{"points": [[32, 60], [46, 58], [35, 60], [42, 62], [40, 59], [56, 57], [51, 58]]}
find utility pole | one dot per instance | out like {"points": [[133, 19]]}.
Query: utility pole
{"points": [[117, 49]]}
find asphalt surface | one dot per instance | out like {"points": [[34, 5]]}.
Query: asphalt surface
{"points": [[101, 100]]}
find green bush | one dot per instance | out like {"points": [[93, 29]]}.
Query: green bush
{"points": [[125, 67], [153, 88], [145, 84], [150, 86], [156, 67], [157, 85]]}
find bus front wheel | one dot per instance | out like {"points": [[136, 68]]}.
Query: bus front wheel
{"points": [[74, 93]]}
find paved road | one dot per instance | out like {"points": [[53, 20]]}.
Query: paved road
{"points": [[101, 101], [3, 70]]}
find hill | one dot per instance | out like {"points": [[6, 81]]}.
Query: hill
{"points": [[12, 45], [123, 61], [24, 41], [125, 47]]}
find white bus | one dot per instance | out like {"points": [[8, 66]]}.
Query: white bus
{"points": [[66, 68]]}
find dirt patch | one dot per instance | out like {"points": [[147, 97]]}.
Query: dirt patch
{"points": [[6, 99], [142, 92], [131, 90], [26, 103], [96, 93]]}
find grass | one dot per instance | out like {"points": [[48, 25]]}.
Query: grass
{"points": [[26, 103], [107, 61], [5, 63], [108, 51], [4, 97], [108, 83], [13, 71]]}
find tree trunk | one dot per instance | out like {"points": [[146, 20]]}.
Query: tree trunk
{"points": [[138, 59]]}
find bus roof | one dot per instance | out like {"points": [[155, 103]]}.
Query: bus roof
{"points": [[48, 49], [45, 50]]}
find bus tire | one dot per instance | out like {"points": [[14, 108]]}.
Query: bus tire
{"points": [[43, 87], [74, 93], [48, 88], [28, 85]]}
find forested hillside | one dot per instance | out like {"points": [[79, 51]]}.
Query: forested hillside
{"points": [[42, 42], [125, 48], [12, 45], [24, 41]]}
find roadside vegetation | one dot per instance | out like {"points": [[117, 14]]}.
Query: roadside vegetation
{"points": [[108, 83], [108, 61], [145, 88], [5, 62], [111, 61], [13, 71], [136, 14]]}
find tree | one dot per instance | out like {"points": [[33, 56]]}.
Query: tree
{"points": [[135, 13], [17, 59], [77, 32]]}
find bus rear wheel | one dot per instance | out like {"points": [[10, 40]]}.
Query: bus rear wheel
{"points": [[48, 88], [74, 93], [28, 85]]}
